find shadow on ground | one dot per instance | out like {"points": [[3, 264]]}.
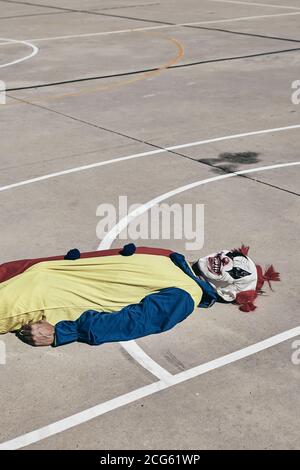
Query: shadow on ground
{"points": [[230, 162]]}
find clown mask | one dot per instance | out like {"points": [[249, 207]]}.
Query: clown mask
{"points": [[230, 272]]}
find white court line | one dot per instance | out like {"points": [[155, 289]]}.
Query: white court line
{"points": [[103, 408], [144, 154], [149, 28], [257, 4], [34, 48]]}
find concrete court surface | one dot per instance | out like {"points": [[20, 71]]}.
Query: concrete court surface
{"points": [[91, 81]]}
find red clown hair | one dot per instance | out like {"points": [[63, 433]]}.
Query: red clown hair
{"points": [[245, 299]]}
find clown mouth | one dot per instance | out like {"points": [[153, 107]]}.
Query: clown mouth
{"points": [[214, 264]]}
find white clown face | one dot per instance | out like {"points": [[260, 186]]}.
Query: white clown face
{"points": [[229, 272]]}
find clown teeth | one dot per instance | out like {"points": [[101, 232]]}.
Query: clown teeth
{"points": [[215, 264]]}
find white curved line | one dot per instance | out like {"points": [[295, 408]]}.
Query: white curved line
{"points": [[127, 398], [146, 361], [145, 154], [34, 48], [114, 232]]}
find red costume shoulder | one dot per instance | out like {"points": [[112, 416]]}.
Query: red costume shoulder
{"points": [[14, 268]]}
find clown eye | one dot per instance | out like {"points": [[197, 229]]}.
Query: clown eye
{"points": [[234, 254], [237, 273]]}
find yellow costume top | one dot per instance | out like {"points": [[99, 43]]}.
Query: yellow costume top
{"points": [[63, 289]]}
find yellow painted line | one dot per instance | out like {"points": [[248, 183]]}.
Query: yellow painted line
{"points": [[120, 83], [143, 76]]}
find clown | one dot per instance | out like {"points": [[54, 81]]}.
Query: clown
{"points": [[119, 295]]}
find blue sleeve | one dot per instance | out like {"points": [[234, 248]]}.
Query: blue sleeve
{"points": [[155, 313]]}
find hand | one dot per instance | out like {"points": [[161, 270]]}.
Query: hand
{"points": [[37, 334]]}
